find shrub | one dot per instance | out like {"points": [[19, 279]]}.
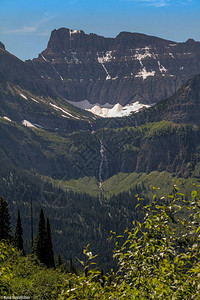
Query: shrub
{"points": [[157, 259]]}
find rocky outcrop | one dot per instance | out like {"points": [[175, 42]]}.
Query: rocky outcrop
{"points": [[131, 67]]}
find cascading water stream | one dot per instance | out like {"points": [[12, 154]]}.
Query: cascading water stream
{"points": [[103, 168]]}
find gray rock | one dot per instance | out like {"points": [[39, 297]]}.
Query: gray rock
{"points": [[131, 67]]}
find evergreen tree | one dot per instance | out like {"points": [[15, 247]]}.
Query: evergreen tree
{"points": [[5, 228], [72, 268], [39, 245], [18, 240], [59, 261], [49, 247]]}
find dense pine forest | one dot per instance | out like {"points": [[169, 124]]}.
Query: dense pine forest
{"points": [[82, 218]]}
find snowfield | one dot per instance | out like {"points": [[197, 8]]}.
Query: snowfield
{"points": [[118, 110], [28, 124], [108, 110]]}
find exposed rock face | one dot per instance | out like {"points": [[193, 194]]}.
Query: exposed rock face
{"points": [[131, 67], [182, 107]]}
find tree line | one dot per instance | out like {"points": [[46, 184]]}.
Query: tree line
{"points": [[42, 245]]}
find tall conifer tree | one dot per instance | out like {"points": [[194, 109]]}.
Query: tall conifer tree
{"points": [[39, 245], [49, 246], [5, 228], [18, 239], [59, 261]]}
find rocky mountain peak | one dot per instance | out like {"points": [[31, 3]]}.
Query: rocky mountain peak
{"points": [[2, 46], [139, 40], [131, 68], [59, 40], [65, 39], [191, 41]]}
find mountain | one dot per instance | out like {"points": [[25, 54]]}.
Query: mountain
{"points": [[59, 170], [83, 170], [130, 68], [182, 107], [28, 99]]}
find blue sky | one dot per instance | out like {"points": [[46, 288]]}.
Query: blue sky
{"points": [[25, 25]]}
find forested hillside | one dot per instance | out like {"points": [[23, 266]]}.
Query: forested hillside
{"points": [[156, 258]]}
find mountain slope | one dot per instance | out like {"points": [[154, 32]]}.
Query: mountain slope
{"points": [[162, 146], [129, 68], [26, 98], [52, 164], [183, 107]]}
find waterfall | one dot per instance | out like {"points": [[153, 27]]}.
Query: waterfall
{"points": [[103, 168]]}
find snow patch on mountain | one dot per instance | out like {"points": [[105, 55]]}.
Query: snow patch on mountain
{"points": [[43, 57], [171, 54], [117, 110], [143, 53], [28, 124], [74, 57], [144, 73], [140, 56], [23, 96], [75, 31], [109, 110], [34, 100], [63, 110], [162, 68], [105, 58], [7, 119]]}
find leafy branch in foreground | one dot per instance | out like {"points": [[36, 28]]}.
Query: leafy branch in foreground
{"points": [[6, 271], [157, 259]]}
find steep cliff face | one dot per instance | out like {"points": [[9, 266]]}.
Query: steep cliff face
{"points": [[182, 107], [131, 67]]}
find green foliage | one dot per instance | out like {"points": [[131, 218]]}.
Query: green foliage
{"points": [[123, 182], [30, 278], [157, 259], [6, 270]]}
